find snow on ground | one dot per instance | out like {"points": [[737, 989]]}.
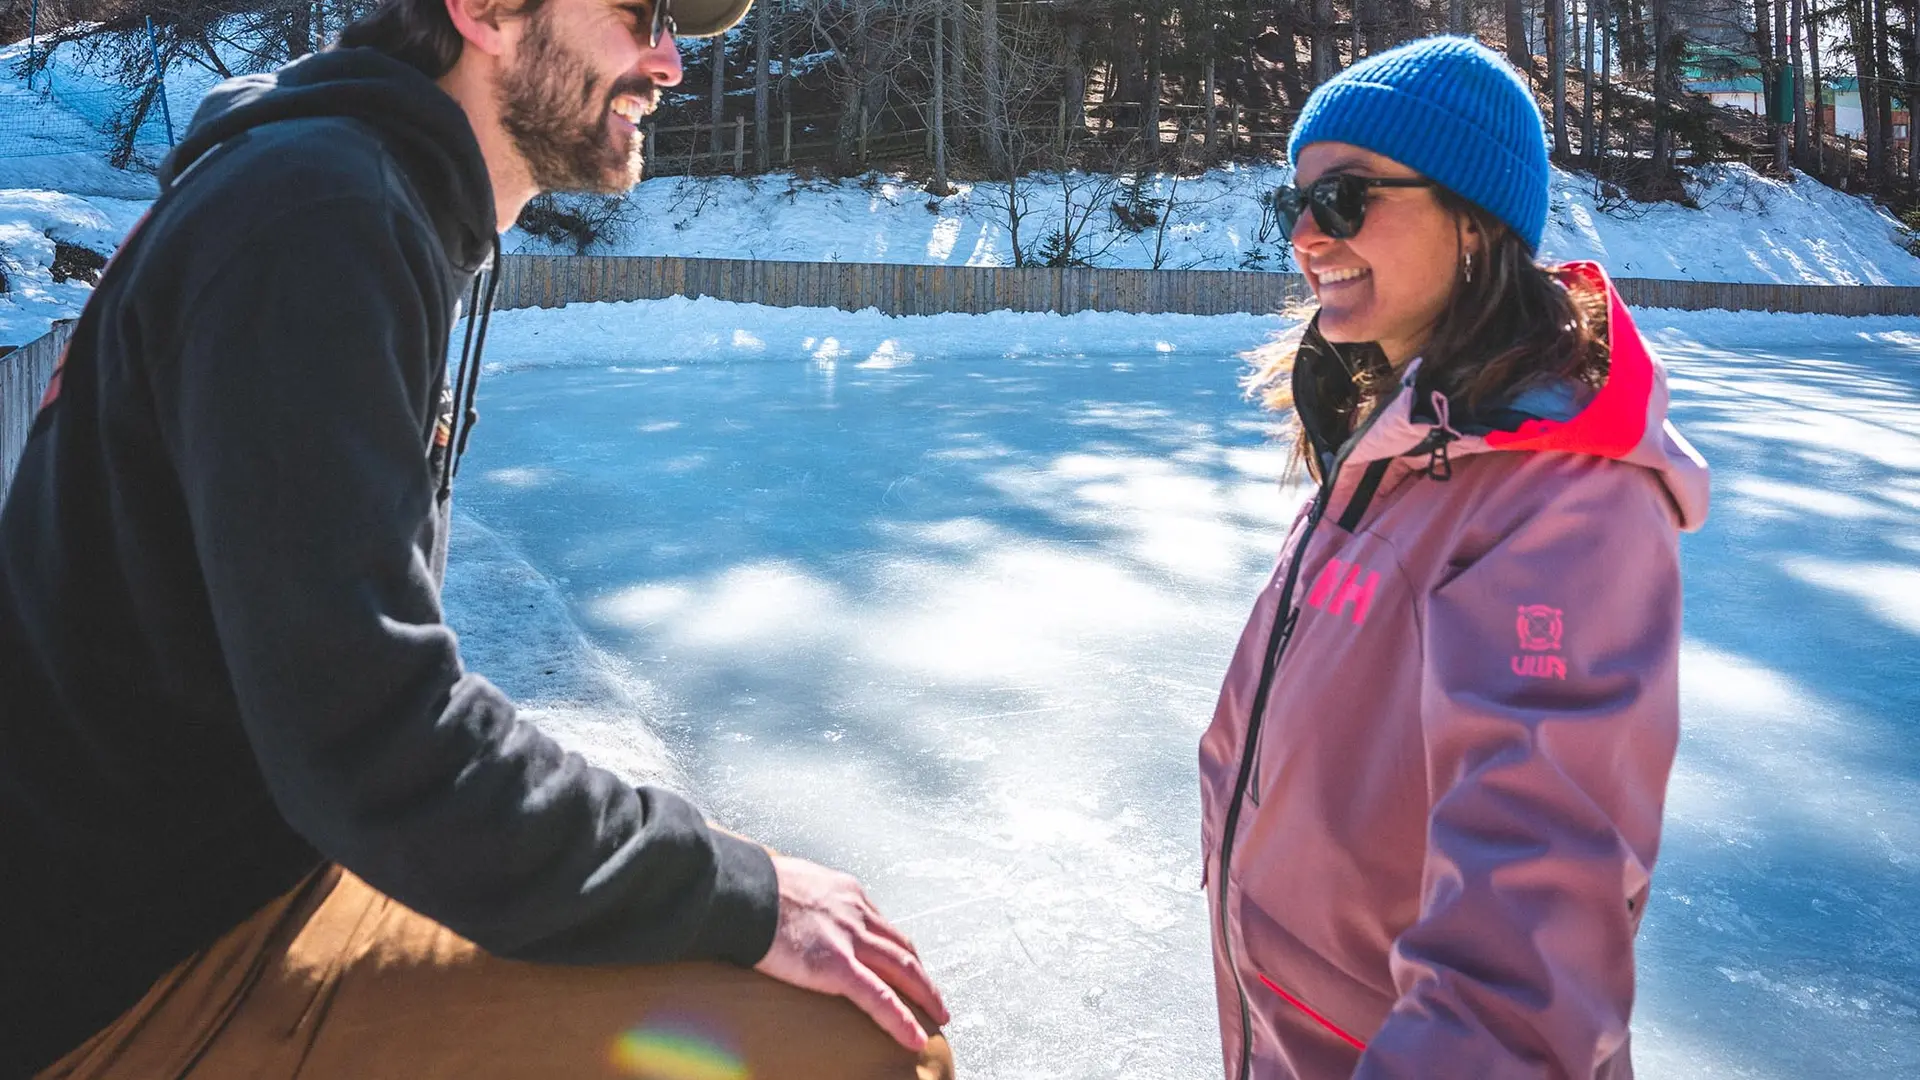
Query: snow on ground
{"points": [[31, 222], [1748, 227], [945, 602], [55, 184]]}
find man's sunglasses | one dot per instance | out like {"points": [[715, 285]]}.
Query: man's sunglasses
{"points": [[1338, 202], [662, 22]]}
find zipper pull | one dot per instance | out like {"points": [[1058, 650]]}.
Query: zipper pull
{"points": [[1253, 785]]}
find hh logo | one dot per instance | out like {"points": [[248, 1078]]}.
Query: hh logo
{"points": [[1341, 584], [1540, 628]]}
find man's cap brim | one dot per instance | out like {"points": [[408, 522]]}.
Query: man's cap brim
{"points": [[707, 18]]}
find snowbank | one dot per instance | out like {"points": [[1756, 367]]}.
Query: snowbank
{"points": [[1747, 228]]}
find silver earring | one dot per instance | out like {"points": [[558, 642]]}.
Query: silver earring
{"points": [[1469, 268]]}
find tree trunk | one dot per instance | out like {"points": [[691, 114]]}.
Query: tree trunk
{"points": [[991, 86], [717, 104], [1819, 96], [957, 87], [1570, 57], [299, 31], [1912, 93], [1207, 99], [1608, 39], [1588, 108], [1662, 138], [1074, 44], [785, 27], [851, 130], [939, 119], [1631, 38], [1517, 36], [1366, 27], [1862, 15], [762, 58], [1557, 73], [1796, 39], [1782, 63], [1883, 90], [1325, 63], [1156, 86]]}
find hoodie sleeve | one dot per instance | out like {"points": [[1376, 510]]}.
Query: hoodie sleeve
{"points": [[1550, 708], [295, 414]]}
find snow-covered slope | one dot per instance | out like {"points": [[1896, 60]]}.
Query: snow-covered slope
{"points": [[1747, 227]]}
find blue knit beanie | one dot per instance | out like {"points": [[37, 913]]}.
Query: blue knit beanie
{"points": [[1450, 109]]}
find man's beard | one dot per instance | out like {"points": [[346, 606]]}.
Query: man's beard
{"points": [[557, 117]]}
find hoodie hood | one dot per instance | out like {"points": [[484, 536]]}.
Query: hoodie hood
{"points": [[424, 127], [1624, 420]]}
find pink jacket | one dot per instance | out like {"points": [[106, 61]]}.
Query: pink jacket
{"points": [[1431, 855]]}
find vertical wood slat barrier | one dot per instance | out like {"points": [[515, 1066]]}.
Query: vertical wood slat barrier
{"points": [[24, 374], [914, 289]]}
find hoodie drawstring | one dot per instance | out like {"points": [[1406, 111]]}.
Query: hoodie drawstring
{"points": [[466, 382]]}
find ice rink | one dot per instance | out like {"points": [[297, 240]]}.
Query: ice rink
{"points": [[945, 602]]}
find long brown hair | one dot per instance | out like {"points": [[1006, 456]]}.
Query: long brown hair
{"points": [[1514, 322]]}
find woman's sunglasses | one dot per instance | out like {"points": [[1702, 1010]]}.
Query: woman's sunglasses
{"points": [[1338, 202]]}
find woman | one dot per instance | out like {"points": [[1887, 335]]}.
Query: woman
{"points": [[1432, 788]]}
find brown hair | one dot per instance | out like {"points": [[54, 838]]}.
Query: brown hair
{"points": [[415, 32], [1514, 323]]}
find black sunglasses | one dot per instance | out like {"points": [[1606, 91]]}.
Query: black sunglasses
{"points": [[1338, 202], [662, 23]]}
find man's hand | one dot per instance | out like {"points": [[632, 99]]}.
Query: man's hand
{"points": [[832, 940]]}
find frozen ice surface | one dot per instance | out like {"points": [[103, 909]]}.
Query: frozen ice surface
{"points": [[945, 602]]}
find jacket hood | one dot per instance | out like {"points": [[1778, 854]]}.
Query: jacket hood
{"points": [[1624, 420], [424, 127]]}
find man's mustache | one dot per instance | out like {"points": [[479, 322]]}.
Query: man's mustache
{"points": [[637, 85]]}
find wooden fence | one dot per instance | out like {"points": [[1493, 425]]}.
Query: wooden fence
{"points": [[903, 289], [24, 374], [894, 288]]}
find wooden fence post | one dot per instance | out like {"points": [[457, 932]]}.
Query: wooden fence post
{"points": [[739, 144]]}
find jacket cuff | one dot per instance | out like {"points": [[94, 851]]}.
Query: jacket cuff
{"points": [[745, 909]]}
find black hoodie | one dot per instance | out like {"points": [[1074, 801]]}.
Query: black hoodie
{"points": [[222, 656]]}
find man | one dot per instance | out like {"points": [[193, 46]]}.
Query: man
{"points": [[255, 818]]}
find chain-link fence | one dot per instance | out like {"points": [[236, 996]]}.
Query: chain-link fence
{"points": [[47, 109]]}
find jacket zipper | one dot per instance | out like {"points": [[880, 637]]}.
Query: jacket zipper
{"points": [[1284, 620]]}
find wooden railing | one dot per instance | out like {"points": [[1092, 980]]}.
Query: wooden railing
{"points": [[24, 374]]}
